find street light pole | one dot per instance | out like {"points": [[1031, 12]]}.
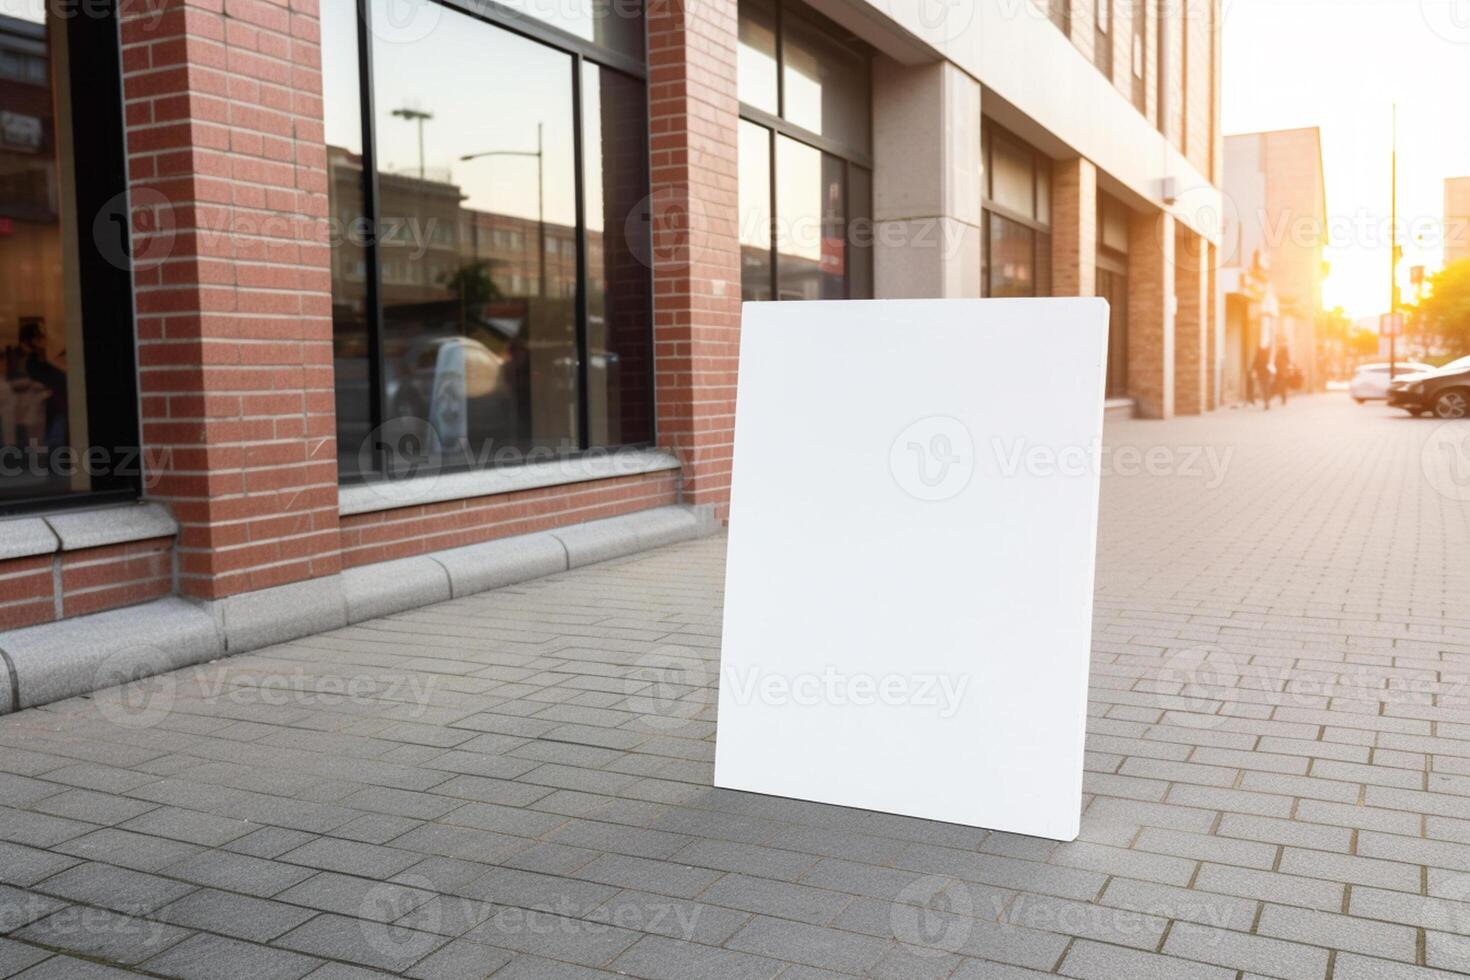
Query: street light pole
{"points": [[1393, 250], [539, 154], [419, 116]]}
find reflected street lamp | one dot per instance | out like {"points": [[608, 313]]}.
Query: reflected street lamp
{"points": [[540, 194], [419, 116]]}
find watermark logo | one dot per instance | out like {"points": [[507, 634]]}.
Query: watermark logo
{"points": [[387, 902], [668, 229], [933, 459], [1447, 19], [135, 229], [941, 20], [668, 687], [933, 915], [135, 688], [1445, 460], [405, 21], [1201, 684], [398, 451]]}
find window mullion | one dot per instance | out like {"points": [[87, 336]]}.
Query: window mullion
{"points": [[377, 393]]}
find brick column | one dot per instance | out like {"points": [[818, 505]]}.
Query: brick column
{"points": [[1074, 227], [1150, 319], [926, 181], [228, 191], [1191, 320], [1214, 306], [693, 124]]}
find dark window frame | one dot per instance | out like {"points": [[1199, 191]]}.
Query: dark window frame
{"points": [[109, 355], [851, 156], [1042, 230], [582, 52]]}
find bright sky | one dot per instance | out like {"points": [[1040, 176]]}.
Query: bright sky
{"points": [[1340, 65]]}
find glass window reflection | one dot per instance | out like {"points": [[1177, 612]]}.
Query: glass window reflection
{"points": [[347, 231], [756, 56], [477, 239], [811, 216], [616, 24], [42, 401], [1011, 258], [825, 85], [755, 211], [619, 345]]}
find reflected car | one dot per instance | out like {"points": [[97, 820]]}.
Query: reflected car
{"points": [[456, 384], [1444, 391], [1370, 381]]}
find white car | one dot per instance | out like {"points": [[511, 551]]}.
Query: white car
{"points": [[1370, 381]]}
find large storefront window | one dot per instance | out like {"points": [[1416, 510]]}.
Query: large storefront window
{"points": [[68, 402], [495, 308], [805, 168], [1017, 184], [1112, 285]]}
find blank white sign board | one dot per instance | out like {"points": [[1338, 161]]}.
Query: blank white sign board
{"points": [[913, 525]]}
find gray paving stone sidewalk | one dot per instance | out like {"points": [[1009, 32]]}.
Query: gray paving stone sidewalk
{"points": [[516, 785]]}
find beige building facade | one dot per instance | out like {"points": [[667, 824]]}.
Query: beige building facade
{"points": [[1275, 232], [1456, 219], [1021, 149]]}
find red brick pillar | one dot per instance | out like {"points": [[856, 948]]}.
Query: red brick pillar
{"points": [[693, 121], [1150, 317], [1191, 321], [229, 193], [1213, 307], [1074, 227]]}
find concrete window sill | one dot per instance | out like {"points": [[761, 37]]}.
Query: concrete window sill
{"points": [[368, 498], [73, 530]]}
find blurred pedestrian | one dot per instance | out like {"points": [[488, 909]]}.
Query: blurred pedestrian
{"points": [[1283, 371], [1262, 377]]}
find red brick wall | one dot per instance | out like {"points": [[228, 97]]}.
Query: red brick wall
{"points": [[693, 118], [27, 592], [228, 177], [91, 580], [407, 531]]}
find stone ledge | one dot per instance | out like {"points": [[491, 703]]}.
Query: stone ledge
{"points": [[26, 537], [73, 530], [388, 587], [496, 564], [369, 498], [251, 620], [63, 659], [111, 525], [76, 656]]}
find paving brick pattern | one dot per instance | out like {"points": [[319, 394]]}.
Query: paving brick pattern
{"points": [[516, 784]]}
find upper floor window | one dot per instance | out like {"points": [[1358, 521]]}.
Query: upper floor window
{"points": [[1060, 12], [1102, 37], [68, 416], [1138, 10], [804, 156], [501, 182], [1017, 216]]}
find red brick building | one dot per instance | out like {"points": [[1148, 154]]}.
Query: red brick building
{"points": [[314, 311]]}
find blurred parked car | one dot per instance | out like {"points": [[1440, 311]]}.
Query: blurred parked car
{"points": [[1371, 380], [1444, 391]]}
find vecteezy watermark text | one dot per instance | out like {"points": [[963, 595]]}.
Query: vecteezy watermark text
{"points": [[1037, 459], [939, 692]]}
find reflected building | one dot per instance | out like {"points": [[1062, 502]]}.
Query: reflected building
{"points": [[1276, 229]]}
